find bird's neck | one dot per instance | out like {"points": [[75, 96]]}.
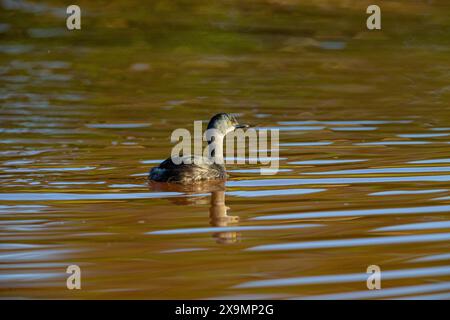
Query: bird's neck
{"points": [[215, 149]]}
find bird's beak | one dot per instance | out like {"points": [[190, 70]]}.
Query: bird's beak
{"points": [[241, 126]]}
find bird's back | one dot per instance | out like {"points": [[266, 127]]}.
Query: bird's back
{"points": [[190, 170]]}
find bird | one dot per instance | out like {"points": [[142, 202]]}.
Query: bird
{"points": [[192, 169]]}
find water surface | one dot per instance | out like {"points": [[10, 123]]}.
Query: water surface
{"points": [[364, 120]]}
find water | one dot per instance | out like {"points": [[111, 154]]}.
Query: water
{"points": [[364, 150]]}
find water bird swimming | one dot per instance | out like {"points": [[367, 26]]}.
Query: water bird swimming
{"points": [[191, 168]]}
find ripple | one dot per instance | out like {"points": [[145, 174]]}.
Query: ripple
{"points": [[16, 79], [435, 257], [386, 292], [182, 250], [385, 170], [76, 196], [27, 277], [356, 212], [33, 265], [356, 242], [431, 161], [417, 226], [266, 193], [233, 229], [62, 183], [440, 129], [344, 278], [24, 170], [267, 171], [252, 159], [139, 174], [15, 48], [423, 135], [21, 209], [39, 130], [325, 162], [339, 181], [22, 153], [31, 7], [118, 125], [47, 32], [405, 192], [151, 161], [14, 246], [440, 296], [391, 143], [354, 128], [443, 198], [17, 162], [345, 122], [45, 255], [262, 115], [333, 45], [295, 128], [305, 144], [126, 185]]}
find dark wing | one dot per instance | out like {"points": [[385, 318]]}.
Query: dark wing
{"points": [[190, 169]]}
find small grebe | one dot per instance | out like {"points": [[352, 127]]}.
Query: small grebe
{"points": [[200, 169]]}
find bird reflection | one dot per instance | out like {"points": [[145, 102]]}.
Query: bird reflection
{"points": [[218, 216]]}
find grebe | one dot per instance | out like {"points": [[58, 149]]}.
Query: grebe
{"points": [[193, 168]]}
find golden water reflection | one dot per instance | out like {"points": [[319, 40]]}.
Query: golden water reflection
{"points": [[364, 122], [218, 210]]}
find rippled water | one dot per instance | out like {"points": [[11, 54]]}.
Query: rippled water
{"points": [[364, 178]]}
